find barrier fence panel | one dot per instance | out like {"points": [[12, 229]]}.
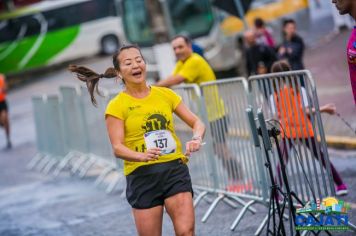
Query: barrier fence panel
{"points": [[53, 121], [75, 129], [239, 169], [288, 100], [99, 143], [238, 172], [200, 163], [42, 137]]}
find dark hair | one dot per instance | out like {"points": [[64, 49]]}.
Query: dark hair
{"points": [[259, 23], [91, 78], [187, 40], [288, 21], [280, 66]]}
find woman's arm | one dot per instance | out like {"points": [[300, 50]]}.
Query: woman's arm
{"points": [[329, 108], [195, 123], [116, 132]]}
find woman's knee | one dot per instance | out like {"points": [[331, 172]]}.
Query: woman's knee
{"points": [[185, 230]]}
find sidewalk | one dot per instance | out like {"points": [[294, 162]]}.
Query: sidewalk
{"points": [[328, 65]]}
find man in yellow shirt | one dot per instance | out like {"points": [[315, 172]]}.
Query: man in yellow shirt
{"points": [[192, 68]]}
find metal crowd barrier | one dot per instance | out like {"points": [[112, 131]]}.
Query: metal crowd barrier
{"points": [[70, 131], [74, 127], [225, 156], [287, 103], [50, 137], [287, 100]]}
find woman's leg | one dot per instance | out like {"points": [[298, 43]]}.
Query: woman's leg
{"points": [[180, 208], [148, 221], [337, 179]]}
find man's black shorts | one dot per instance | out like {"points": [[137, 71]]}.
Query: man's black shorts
{"points": [[148, 186], [3, 106], [219, 129]]}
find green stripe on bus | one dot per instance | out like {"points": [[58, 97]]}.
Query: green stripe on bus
{"points": [[52, 45]]}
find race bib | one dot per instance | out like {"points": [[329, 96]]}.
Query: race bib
{"points": [[162, 139]]}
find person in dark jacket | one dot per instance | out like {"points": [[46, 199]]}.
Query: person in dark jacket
{"points": [[257, 55], [292, 48]]}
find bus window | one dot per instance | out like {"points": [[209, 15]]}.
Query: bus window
{"points": [[7, 31], [136, 23], [33, 25], [193, 17]]}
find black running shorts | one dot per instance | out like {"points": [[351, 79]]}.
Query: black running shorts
{"points": [[148, 186]]}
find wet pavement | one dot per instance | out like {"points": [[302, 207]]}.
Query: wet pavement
{"points": [[32, 203]]}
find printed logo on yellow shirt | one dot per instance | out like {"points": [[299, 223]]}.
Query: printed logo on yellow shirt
{"points": [[156, 121]]}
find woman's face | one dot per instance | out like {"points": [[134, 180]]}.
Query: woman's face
{"points": [[132, 66]]}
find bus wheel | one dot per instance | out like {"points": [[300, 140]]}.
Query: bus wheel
{"points": [[109, 44]]}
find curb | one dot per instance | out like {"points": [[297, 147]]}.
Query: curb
{"points": [[341, 142]]}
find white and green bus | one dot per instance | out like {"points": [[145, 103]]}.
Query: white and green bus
{"points": [[51, 32]]}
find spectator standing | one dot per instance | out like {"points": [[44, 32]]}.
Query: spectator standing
{"points": [[292, 47], [263, 34], [257, 55]]}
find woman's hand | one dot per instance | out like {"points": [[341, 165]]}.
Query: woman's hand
{"points": [[192, 146], [329, 108], [151, 154]]}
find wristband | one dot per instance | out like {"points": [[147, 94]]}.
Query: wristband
{"points": [[197, 138]]}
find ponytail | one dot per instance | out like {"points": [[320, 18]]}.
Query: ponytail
{"points": [[91, 78]]}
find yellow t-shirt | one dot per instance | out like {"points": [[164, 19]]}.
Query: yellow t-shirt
{"points": [[145, 116], [196, 70]]}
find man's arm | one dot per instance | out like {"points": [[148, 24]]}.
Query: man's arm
{"points": [[171, 81]]}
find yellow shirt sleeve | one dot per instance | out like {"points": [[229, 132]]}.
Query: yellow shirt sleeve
{"points": [[189, 70], [115, 109], [174, 98]]}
